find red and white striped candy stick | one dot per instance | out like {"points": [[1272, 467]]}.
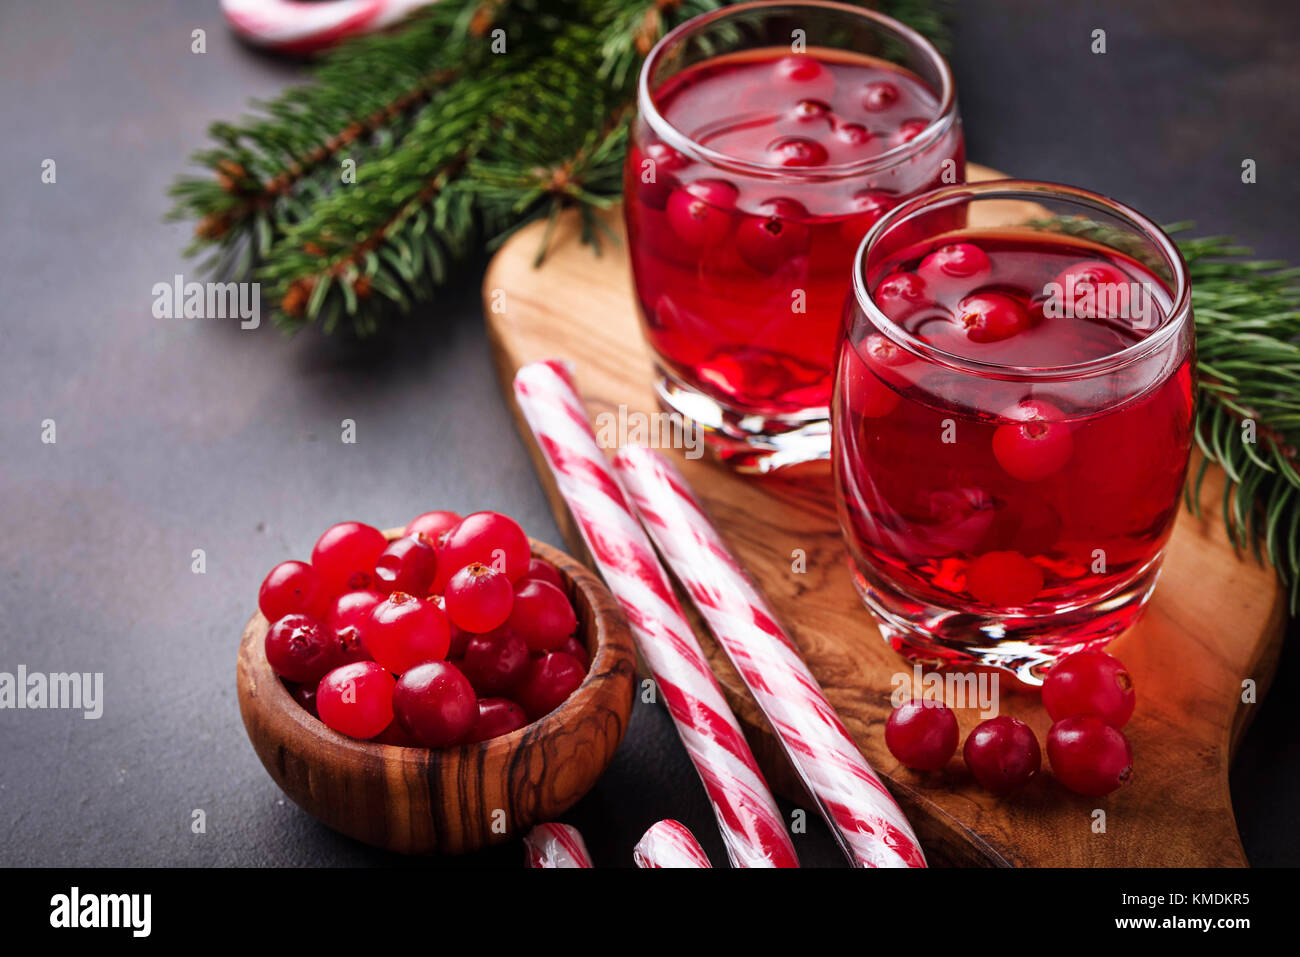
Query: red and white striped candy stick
{"points": [[555, 845], [751, 825], [870, 826], [293, 26], [669, 844]]}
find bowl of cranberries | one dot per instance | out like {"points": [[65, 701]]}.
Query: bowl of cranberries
{"points": [[435, 688]]}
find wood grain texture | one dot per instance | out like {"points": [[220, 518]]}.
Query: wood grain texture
{"points": [[418, 801], [1215, 619]]}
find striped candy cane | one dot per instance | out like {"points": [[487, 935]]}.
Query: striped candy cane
{"points": [[669, 844], [555, 845], [751, 825], [292, 26], [870, 826]]}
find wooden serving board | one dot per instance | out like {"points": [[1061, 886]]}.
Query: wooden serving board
{"points": [[1215, 620]]}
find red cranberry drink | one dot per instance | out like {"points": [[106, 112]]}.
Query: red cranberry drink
{"points": [[755, 170], [1012, 423]]}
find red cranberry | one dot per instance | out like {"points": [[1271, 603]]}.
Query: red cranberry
{"points": [[880, 95], [298, 648], [809, 110], [908, 130], [801, 71], [305, 695], [543, 615], [497, 716], [405, 631], [396, 735], [436, 704], [796, 151], [541, 571], [768, 243], [407, 564], [922, 734], [1004, 579], [1003, 755], [1089, 756], [345, 555], [855, 134], [701, 212], [991, 316], [549, 682], [348, 620], [900, 295], [458, 636], [1036, 442], [575, 648], [292, 587], [432, 525], [479, 598], [962, 261], [488, 538], [1095, 289], [868, 395], [868, 205], [663, 162], [1089, 683], [495, 664], [356, 699]]}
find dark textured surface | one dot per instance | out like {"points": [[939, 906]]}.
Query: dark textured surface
{"points": [[185, 434]]}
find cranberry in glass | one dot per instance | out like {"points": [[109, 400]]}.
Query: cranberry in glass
{"points": [[1089, 683], [991, 316], [700, 212], [405, 631], [550, 680], [922, 734], [345, 555], [900, 295], [1089, 756], [299, 648], [1003, 755], [1036, 443], [488, 538], [768, 242], [543, 615], [436, 704], [356, 699], [292, 587]]}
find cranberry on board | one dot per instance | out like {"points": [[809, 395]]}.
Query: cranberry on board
{"points": [[345, 555], [488, 538], [405, 631], [1003, 755], [432, 524], [436, 704], [495, 664], [1089, 756], [1035, 443], [479, 598], [550, 680], [922, 734], [348, 620], [497, 716], [356, 699], [292, 587], [543, 615], [541, 571], [300, 648], [408, 564], [1090, 683]]}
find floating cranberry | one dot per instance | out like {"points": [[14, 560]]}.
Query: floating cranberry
{"points": [[541, 571], [867, 395], [809, 110], [1004, 579], [407, 564], [1089, 683], [345, 555], [356, 699], [854, 134], [436, 704], [800, 70], [991, 316], [432, 525], [572, 646], [542, 615], [769, 242], [479, 598], [796, 151], [880, 95], [1094, 289], [964, 261], [495, 664], [497, 716], [700, 212], [1003, 754], [868, 206], [653, 169], [1036, 442], [907, 131], [348, 620], [550, 680], [922, 734], [900, 295], [488, 538], [1089, 756], [292, 587], [299, 648], [405, 631]]}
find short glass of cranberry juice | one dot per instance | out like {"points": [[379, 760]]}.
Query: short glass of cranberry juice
{"points": [[770, 138], [1012, 421]]}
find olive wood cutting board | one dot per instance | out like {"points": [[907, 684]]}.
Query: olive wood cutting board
{"points": [[1215, 621]]}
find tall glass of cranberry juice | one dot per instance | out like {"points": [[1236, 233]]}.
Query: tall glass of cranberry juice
{"points": [[770, 138], [1012, 421]]}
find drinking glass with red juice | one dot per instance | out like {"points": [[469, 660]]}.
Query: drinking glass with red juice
{"points": [[1012, 423], [770, 138]]}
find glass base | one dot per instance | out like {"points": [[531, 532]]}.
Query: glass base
{"points": [[1025, 646], [747, 442]]}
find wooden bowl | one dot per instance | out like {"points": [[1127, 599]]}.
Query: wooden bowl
{"points": [[419, 801]]}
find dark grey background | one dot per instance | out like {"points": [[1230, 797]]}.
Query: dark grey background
{"points": [[177, 435]]}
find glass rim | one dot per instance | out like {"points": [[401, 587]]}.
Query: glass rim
{"points": [[684, 144], [1179, 311]]}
